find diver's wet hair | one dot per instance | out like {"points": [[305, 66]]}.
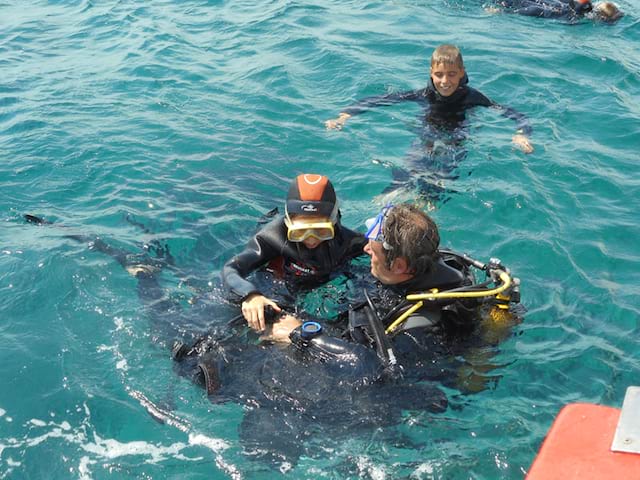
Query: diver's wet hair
{"points": [[447, 54], [413, 235]]}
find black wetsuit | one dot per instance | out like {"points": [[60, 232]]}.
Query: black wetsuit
{"points": [[426, 334], [299, 266], [348, 348], [568, 9], [446, 113], [434, 158]]}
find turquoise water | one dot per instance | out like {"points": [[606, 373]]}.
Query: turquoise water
{"points": [[191, 117]]}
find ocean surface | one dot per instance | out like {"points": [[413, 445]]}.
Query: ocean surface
{"points": [[181, 123]]}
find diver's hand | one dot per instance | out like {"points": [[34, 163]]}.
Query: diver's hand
{"points": [[337, 123], [253, 310], [280, 330], [522, 142]]}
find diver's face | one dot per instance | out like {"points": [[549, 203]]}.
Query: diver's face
{"points": [[446, 78], [311, 242], [379, 267]]}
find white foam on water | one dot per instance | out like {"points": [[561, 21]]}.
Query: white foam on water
{"points": [[119, 322], [422, 470], [109, 448], [99, 448], [370, 470], [216, 445], [121, 363], [83, 468]]}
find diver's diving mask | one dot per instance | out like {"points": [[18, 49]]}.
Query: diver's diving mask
{"points": [[375, 226], [299, 231]]}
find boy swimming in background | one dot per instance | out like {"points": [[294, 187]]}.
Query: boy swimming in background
{"points": [[445, 100], [607, 12]]}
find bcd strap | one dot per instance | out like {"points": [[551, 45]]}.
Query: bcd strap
{"points": [[211, 378]]}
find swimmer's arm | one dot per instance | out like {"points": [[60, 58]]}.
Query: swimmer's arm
{"points": [[522, 142], [337, 123], [533, 11], [523, 129], [371, 102]]}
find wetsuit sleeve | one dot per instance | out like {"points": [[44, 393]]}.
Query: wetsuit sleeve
{"points": [[546, 9], [475, 98], [355, 243], [260, 250], [522, 123], [385, 100], [531, 11]]}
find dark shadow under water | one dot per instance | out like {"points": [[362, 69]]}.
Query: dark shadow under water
{"points": [[428, 171]]}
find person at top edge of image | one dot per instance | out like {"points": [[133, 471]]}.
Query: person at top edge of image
{"points": [[304, 247], [403, 243], [446, 98], [607, 12]]}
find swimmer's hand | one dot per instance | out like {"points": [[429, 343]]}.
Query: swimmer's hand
{"points": [[337, 123], [522, 142], [253, 310], [280, 330]]}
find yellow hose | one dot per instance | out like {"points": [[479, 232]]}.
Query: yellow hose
{"points": [[403, 317], [419, 297], [504, 277]]}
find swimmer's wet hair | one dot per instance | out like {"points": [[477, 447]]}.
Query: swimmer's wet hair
{"points": [[413, 235], [607, 12], [447, 54]]}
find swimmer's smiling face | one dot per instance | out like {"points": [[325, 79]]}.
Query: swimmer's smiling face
{"points": [[446, 78]]}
